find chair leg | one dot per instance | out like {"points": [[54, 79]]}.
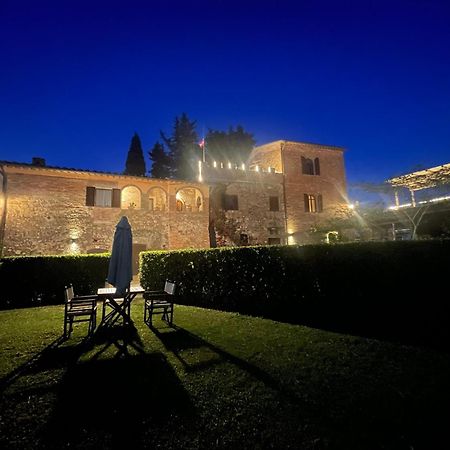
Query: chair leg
{"points": [[145, 312], [93, 322]]}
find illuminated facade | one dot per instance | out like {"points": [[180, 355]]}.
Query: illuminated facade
{"points": [[278, 197]]}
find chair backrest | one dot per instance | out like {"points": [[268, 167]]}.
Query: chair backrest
{"points": [[68, 292], [170, 287]]}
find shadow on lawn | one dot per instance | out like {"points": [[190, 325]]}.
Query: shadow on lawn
{"points": [[116, 402], [52, 356], [126, 399], [177, 339]]}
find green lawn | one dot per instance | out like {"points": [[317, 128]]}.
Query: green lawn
{"points": [[216, 380]]}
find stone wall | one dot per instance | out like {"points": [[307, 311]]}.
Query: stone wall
{"points": [[330, 184], [43, 210], [46, 213], [252, 223]]}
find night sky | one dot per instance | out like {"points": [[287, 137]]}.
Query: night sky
{"points": [[78, 78]]}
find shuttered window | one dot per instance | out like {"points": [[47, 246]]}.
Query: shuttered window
{"points": [[274, 203], [313, 203], [230, 202], [307, 166], [90, 196], [319, 203], [116, 198], [310, 167], [316, 167], [106, 198]]}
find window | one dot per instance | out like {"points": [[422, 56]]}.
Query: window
{"points": [[274, 241], [313, 203], [107, 198], [243, 239], [274, 203], [230, 202], [310, 167], [273, 230]]}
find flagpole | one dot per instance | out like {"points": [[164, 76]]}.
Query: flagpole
{"points": [[203, 146]]}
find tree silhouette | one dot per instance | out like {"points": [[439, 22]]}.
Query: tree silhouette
{"points": [[160, 161], [232, 146], [135, 164], [184, 151]]}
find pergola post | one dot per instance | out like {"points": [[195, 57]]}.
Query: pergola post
{"points": [[413, 198], [397, 202]]}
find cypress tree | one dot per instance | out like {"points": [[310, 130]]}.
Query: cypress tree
{"points": [[135, 164]]}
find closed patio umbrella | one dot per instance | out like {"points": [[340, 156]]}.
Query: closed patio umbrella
{"points": [[120, 264]]}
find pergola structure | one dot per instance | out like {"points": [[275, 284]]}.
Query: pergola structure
{"points": [[422, 179]]}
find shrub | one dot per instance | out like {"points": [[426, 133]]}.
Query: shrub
{"points": [[40, 280], [384, 289]]}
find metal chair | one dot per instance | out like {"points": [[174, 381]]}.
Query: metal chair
{"points": [[160, 302], [79, 308]]}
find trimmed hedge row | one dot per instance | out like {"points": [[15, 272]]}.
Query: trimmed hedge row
{"points": [[40, 280], [380, 289]]}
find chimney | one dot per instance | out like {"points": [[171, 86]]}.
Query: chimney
{"points": [[36, 161]]}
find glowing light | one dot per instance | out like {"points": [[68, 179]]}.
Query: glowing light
{"points": [[351, 206], [229, 165], [257, 168], [243, 167], [215, 164], [423, 202], [200, 178]]}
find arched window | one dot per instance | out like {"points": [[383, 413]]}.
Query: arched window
{"points": [[310, 167], [131, 198], [157, 199], [307, 166], [189, 200]]}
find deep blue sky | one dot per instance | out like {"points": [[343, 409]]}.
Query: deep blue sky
{"points": [[77, 78]]}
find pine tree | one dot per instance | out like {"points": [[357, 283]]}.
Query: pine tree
{"points": [[233, 146], [135, 164], [184, 151], [160, 162]]}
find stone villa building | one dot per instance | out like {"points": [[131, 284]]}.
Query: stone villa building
{"points": [[285, 189]]}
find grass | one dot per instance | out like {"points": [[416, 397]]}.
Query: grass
{"points": [[215, 380]]}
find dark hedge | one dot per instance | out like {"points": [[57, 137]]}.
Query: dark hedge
{"points": [[393, 290], [40, 280]]}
